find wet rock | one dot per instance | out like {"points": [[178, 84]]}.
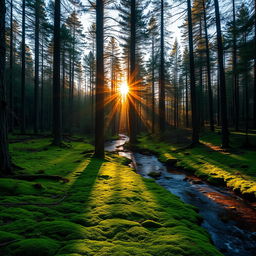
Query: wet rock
{"points": [[225, 218], [146, 153], [171, 162], [168, 177], [155, 174], [197, 182]]}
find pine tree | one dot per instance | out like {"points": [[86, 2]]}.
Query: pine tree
{"points": [[57, 133], [5, 162], [99, 100], [223, 98], [195, 133]]}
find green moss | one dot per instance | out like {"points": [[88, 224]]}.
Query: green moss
{"points": [[34, 247], [6, 237], [68, 231], [234, 168], [113, 226], [151, 224], [134, 234], [20, 226], [104, 209], [18, 214], [16, 187], [69, 254]]}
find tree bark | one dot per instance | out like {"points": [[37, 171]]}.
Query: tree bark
{"points": [[254, 102], [99, 100], [208, 70], [161, 74], [23, 67], [223, 99], [195, 134], [5, 163], [11, 71], [36, 78], [57, 136], [187, 119], [234, 67], [132, 73], [42, 124], [153, 85]]}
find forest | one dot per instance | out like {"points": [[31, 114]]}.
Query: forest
{"points": [[127, 127]]}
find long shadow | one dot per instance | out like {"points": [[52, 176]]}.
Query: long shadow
{"points": [[81, 189]]}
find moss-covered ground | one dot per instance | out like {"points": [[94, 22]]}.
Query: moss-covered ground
{"points": [[235, 168], [99, 208]]}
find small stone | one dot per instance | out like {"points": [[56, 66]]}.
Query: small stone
{"points": [[155, 175], [171, 162]]}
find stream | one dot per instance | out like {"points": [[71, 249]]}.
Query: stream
{"points": [[230, 220]]}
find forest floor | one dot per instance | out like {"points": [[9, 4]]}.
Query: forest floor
{"points": [[73, 204], [234, 168]]}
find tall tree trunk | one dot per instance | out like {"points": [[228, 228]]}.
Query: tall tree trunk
{"points": [[223, 98], [234, 67], [153, 85], [42, 87], [99, 101], [254, 101], [201, 89], [247, 142], [57, 134], [11, 111], [36, 78], [5, 163], [23, 67], [132, 73], [187, 120], [209, 81], [161, 74], [63, 89], [195, 134]]}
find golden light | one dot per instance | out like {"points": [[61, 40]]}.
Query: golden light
{"points": [[123, 89]]}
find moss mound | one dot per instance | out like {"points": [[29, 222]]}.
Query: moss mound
{"points": [[34, 247], [6, 237]]}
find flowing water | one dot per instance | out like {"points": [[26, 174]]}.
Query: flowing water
{"points": [[230, 220]]}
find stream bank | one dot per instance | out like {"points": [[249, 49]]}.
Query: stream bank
{"points": [[230, 220]]}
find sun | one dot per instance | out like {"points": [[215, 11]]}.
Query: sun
{"points": [[123, 89]]}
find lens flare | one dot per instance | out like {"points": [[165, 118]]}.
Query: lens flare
{"points": [[123, 89]]}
